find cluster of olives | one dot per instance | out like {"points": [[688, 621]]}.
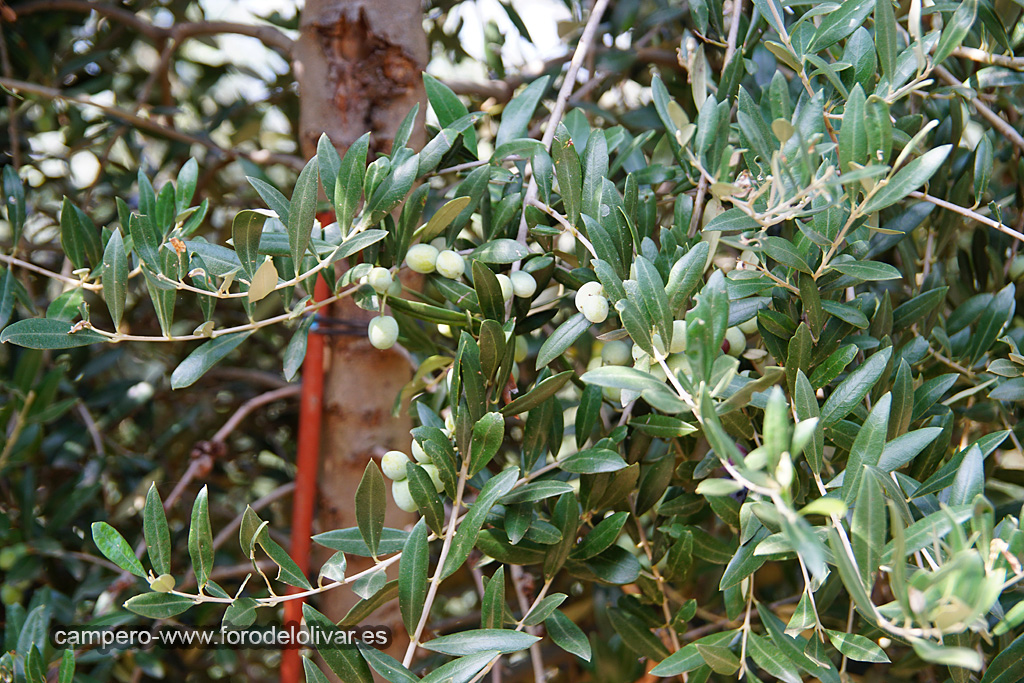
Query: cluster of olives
{"points": [[431, 258], [394, 464]]}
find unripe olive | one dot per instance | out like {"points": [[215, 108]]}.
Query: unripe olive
{"points": [[450, 264], [445, 330], [521, 350], [393, 465], [10, 594], [595, 309], [395, 289], [506, 286], [737, 341], [678, 337], [422, 258], [439, 243], [613, 394], [748, 326], [420, 454], [616, 353], [588, 289], [678, 362], [380, 279], [383, 332], [434, 475], [523, 284], [403, 499], [637, 353], [1017, 268]]}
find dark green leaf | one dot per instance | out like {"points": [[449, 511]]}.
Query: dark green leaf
{"points": [[412, 577], [197, 363], [562, 338], [370, 504], [303, 210], [158, 536], [567, 635], [465, 537], [854, 388], [200, 538], [343, 661], [116, 549], [908, 179], [349, 187], [115, 277], [158, 605]]}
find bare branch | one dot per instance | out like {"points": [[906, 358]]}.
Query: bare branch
{"points": [[249, 406], [260, 157], [270, 36]]}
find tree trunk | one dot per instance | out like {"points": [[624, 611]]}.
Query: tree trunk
{"points": [[359, 65]]}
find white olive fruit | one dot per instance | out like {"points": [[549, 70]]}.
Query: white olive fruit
{"points": [[678, 362], [522, 350], [613, 394], [588, 289], [748, 326], [396, 288], [439, 243], [420, 454], [637, 353], [403, 499], [616, 353], [678, 337], [380, 279], [595, 309], [450, 264], [445, 330], [422, 258], [449, 422], [523, 284], [393, 465], [506, 286], [737, 341], [383, 332], [435, 476]]}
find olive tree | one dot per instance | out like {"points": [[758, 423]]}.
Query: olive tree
{"points": [[718, 380]]}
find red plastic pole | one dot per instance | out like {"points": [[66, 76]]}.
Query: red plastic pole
{"points": [[307, 467]]}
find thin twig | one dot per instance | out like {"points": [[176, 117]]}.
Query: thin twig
{"points": [[524, 606], [983, 57], [435, 580], [563, 96], [269, 35], [252, 404], [734, 30], [969, 213], [90, 425], [75, 282], [998, 122]]}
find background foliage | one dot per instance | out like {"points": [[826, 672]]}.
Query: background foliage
{"points": [[818, 475]]}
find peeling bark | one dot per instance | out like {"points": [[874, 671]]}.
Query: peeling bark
{"points": [[360, 62]]}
